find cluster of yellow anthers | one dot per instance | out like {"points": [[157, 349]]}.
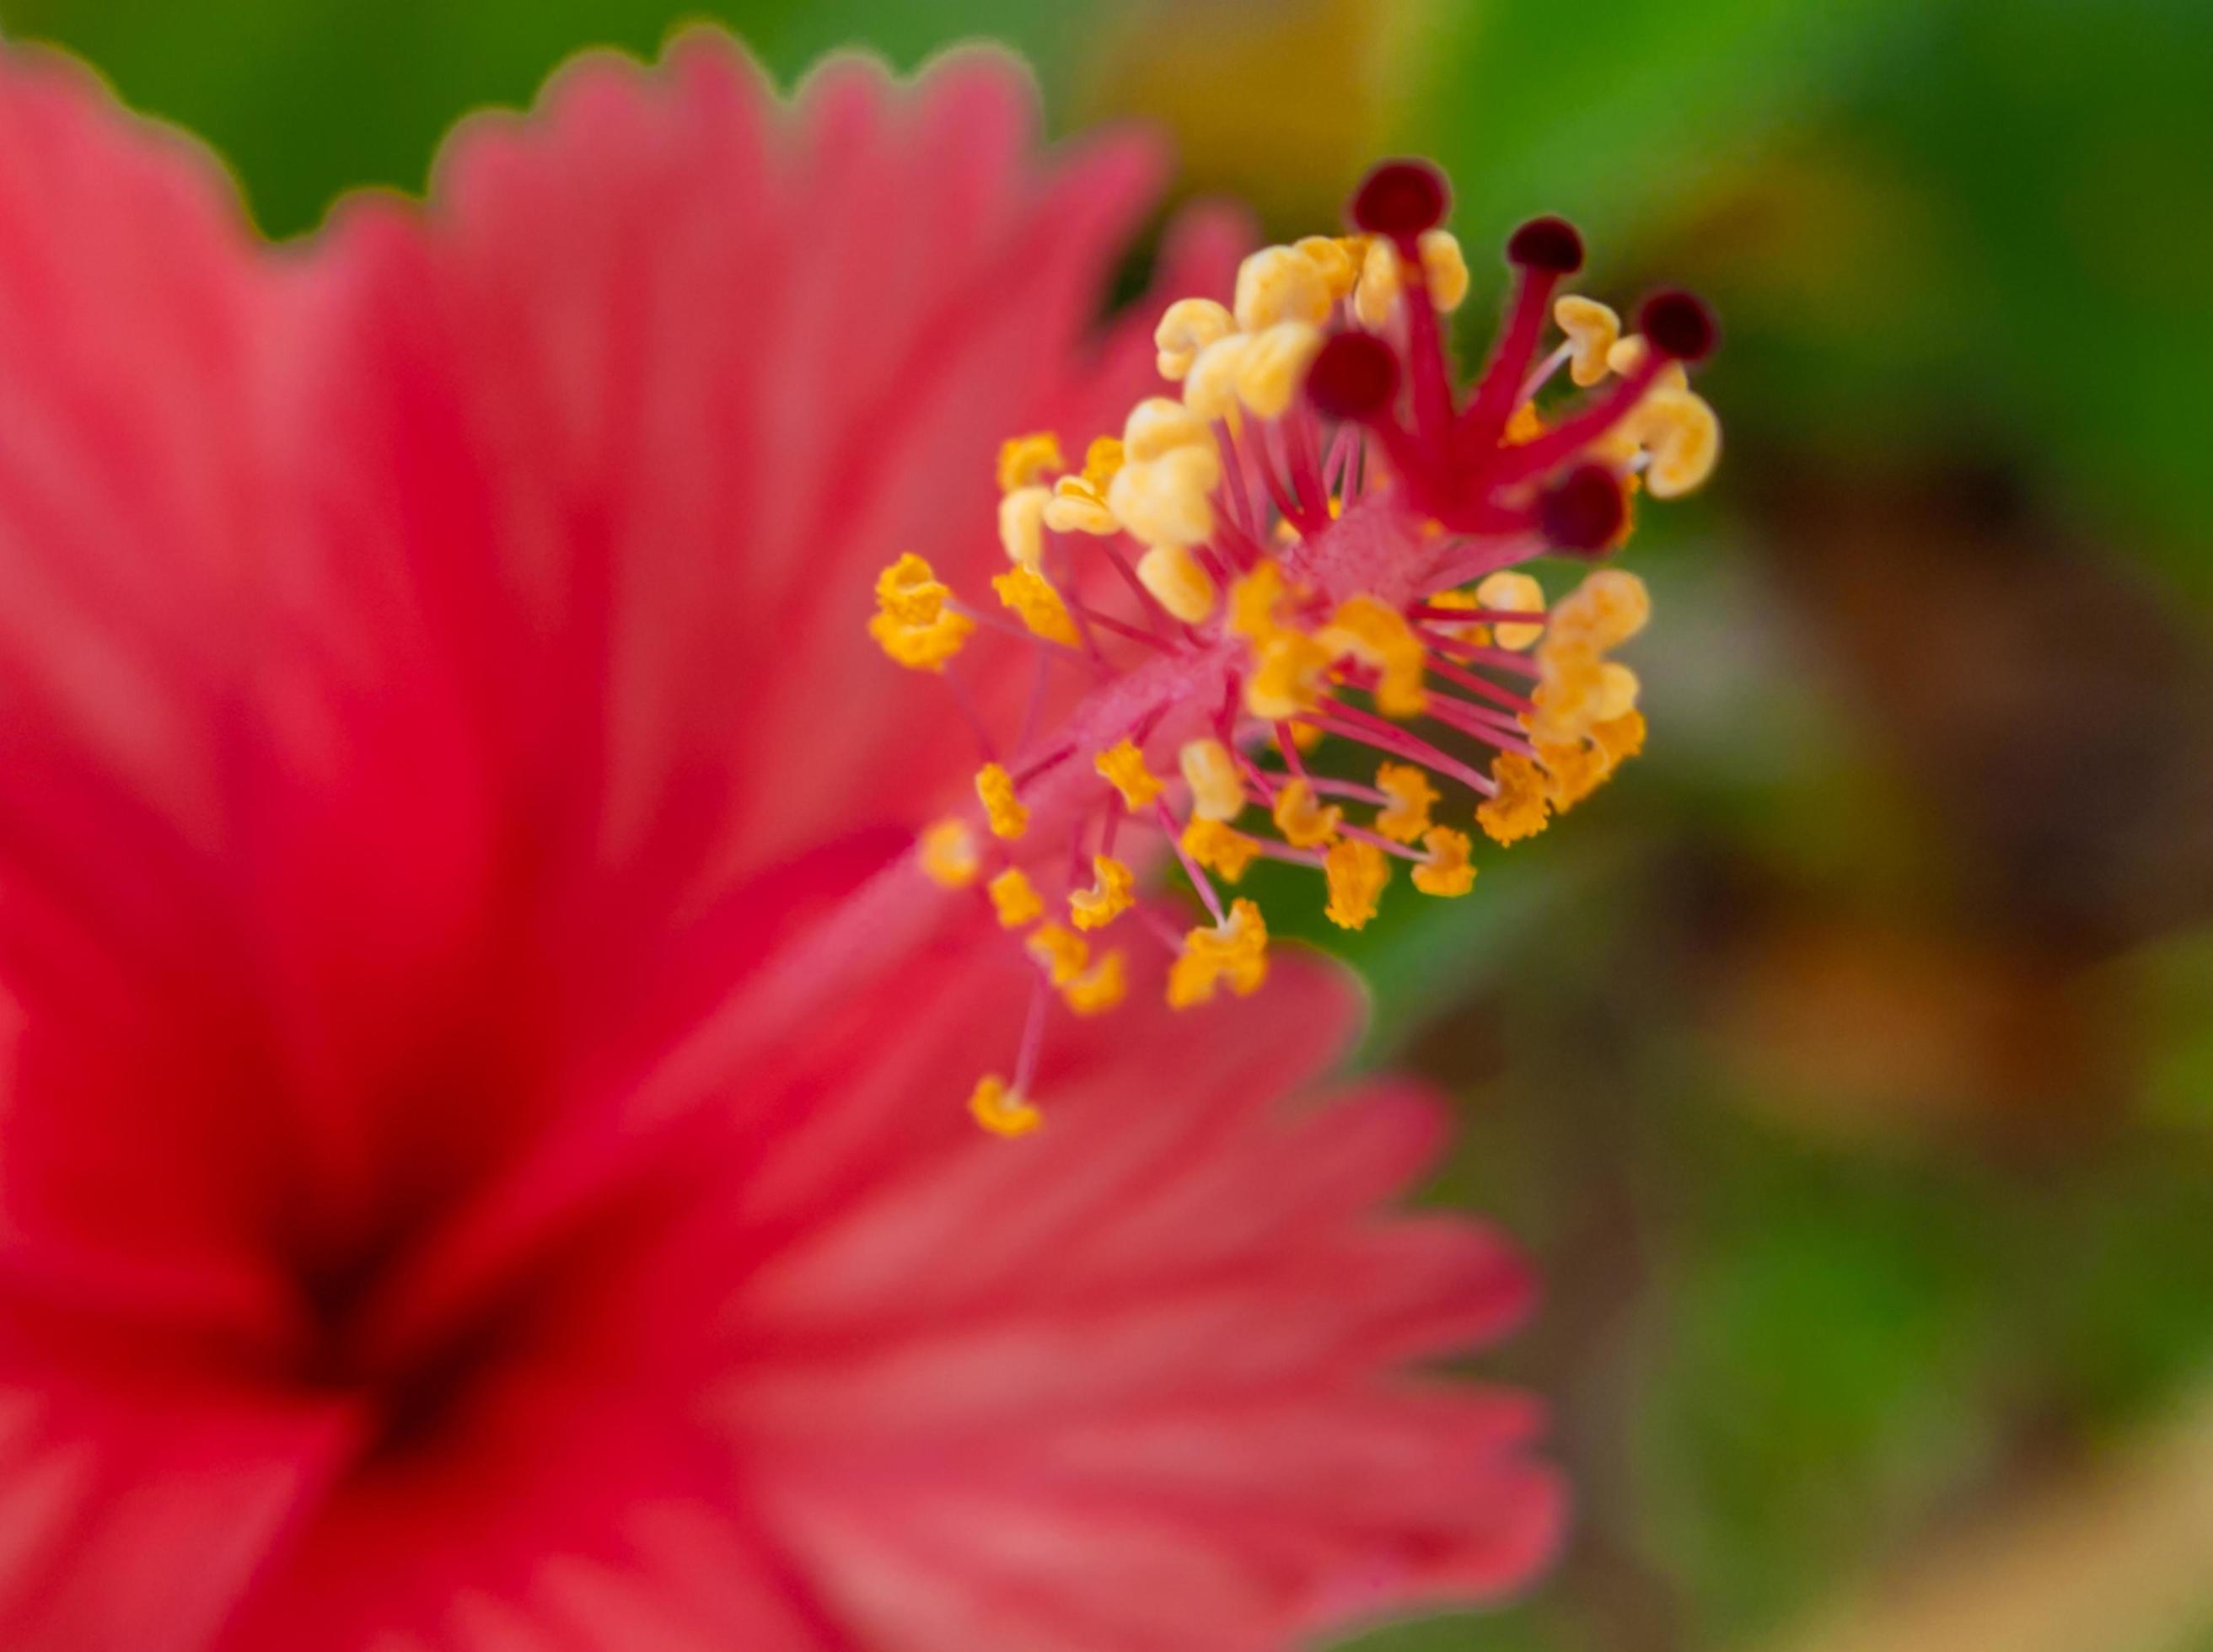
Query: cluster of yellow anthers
{"points": [[1320, 536]]}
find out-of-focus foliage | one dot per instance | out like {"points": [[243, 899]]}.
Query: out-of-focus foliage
{"points": [[1920, 218], [1848, 1061], [310, 97]]}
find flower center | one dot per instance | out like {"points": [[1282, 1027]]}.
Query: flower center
{"points": [[414, 1389], [415, 1396], [1323, 537]]}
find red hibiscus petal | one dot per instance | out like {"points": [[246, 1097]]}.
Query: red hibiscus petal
{"points": [[484, 1161], [132, 1517], [951, 1334], [662, 383], [145, 343]]}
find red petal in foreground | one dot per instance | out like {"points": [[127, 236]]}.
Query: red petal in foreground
{"points": [[481, 1160]]}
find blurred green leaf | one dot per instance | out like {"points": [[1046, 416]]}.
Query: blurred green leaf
{"points": [[2179, 990], [310, 97], [1925, 224], [1623, 108], [1517, 1631], [1824, 1322]]}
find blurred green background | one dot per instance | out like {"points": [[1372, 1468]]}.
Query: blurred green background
{"points": [[1849, 1063]]}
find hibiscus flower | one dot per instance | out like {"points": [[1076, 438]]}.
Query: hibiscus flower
{"points": [[482, 1162]]}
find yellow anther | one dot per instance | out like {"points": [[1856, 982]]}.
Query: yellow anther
{"points": [[922, 648], [1625, 356], [1617, 692], [1379, 285], [1447, 871], [1608, 608], [1076, 506], [1030, 595], [1235, 953], [1100, 988], [1278, 284], [996, 787], [1253, 599], [1210, 389], [1291, 669], [1015, 899], [1165, 501], [1274, 366], [1059, 951], [1002, 1111], [1621, 738], [1357, 871], [1683, 435], [1122, 766], [1444, 272], [1187, 327], [1305, 736], [913, 623], [1289, 675], [1444, 267], [1333, 258], [1101, 460], [1178, 582], [910, 592], [1026, 460], [1571, 682], [1113, 895], [1519, 810], [1377, 634], [1021, 525], [1592, 330], [1220, 848], [1303, 818], [1210, 769], [1577, 769], [1157, 427], [1511, 591], [1411, 794], [1525, 424], [1573, 771], [949, 854]]}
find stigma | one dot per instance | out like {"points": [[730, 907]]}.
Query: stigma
{"points": [[1322, 535]]}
